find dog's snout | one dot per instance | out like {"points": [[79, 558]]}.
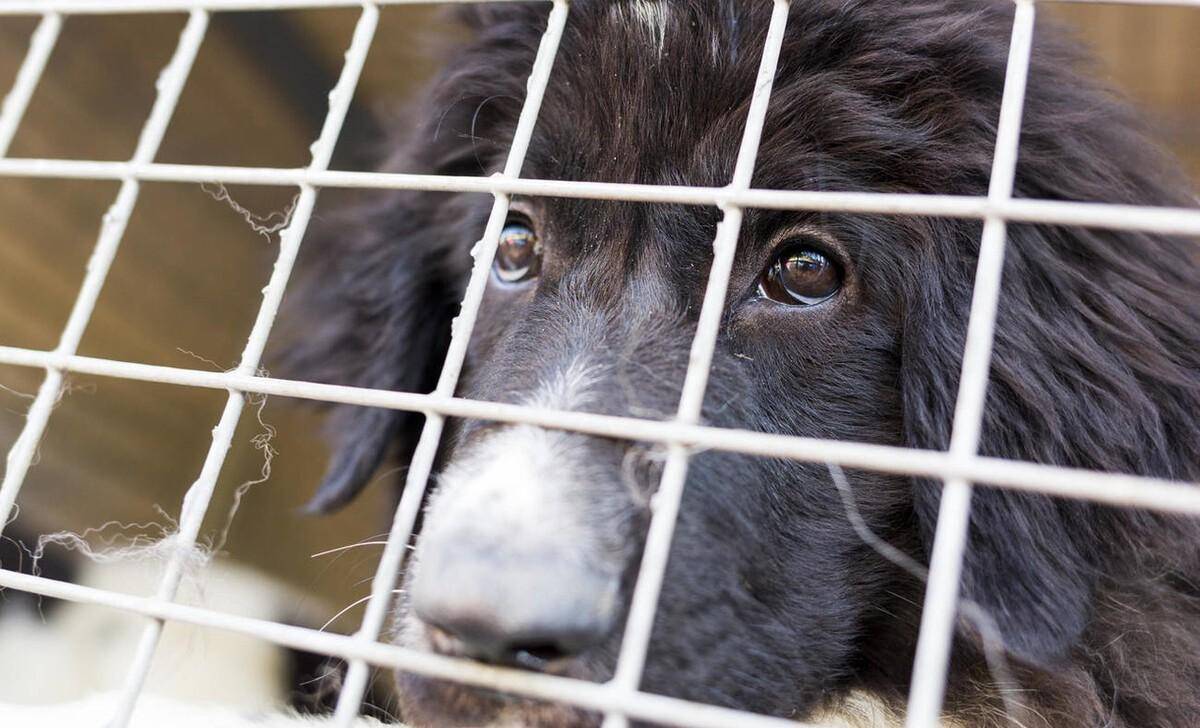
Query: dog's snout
{"points": [[511, 566], [519, 610]]}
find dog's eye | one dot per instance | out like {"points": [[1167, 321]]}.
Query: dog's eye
{"points": [[519, 256], [800, 276]]}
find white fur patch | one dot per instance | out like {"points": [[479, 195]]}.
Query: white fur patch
{"points": [[519, 477], [651, 15], [513, 482], [568, 389], [861, 709]]}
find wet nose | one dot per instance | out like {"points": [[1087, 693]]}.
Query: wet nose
{"points": [[520, 609]]}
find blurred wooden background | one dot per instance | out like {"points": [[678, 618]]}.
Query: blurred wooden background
{"points": [[187, 280]]}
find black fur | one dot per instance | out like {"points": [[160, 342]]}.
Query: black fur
{"points": [[772, 602]]}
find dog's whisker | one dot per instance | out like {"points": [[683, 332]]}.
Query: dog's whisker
{"points": [[350, 606], [326, 552], [343, 610]]}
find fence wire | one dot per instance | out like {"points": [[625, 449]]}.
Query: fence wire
{"points": [[621, 698]]}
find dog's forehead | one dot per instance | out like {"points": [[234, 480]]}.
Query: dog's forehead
{"points": [[658, 93], [650, 16], [656, 88]]}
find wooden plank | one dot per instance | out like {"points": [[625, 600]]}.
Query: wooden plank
{"points": [[1151, 55]]}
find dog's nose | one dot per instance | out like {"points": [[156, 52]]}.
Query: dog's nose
{"points": [[516, 609]]}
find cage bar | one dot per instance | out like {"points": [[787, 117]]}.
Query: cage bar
{"points": [[199, 495], [170, 85], [666, 500], [940, 609], [1091, 485], [37, 7], [1098, 214], [644, 706], [41, 44], [421, 466], [961, 468], [104, 7]]}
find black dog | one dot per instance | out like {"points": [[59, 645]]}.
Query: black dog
{"points": [[836, 326]]}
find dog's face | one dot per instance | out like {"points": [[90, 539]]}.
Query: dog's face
{"points": [[532, 537], [834, 326]]}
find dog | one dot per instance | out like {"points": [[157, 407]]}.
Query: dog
{"points": [[839, 326]]}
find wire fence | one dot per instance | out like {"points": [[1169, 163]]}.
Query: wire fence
{"points": [[620, 698]]}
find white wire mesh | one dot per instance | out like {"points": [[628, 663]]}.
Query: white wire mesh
{"points": [[950, 539], [419, 469], [666, 501], [621, 698]]}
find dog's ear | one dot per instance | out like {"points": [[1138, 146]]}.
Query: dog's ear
{"points": [[1087, 372], [383, 280], [1023, 565], [1091, 365], [372, 309]]}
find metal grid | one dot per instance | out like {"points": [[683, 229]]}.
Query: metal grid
{"points": [[620, 698]]}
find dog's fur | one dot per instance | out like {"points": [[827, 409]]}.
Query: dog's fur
{"points": [[772, 602]]}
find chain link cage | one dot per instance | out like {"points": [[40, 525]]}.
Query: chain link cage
{"points": [[619, 699]]}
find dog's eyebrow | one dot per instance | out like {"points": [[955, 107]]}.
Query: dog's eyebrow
{"points": [[768, 228], [804, 229]]}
